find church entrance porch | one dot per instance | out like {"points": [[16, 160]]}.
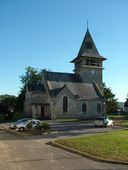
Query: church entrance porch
{"points": [[41, 111]]}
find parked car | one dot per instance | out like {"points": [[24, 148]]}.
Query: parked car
{"points": [[13, 125], [103, 122], [29, 124]]}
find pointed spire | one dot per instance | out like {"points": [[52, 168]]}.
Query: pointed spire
{"points": [[88, 48], [88, 45]]}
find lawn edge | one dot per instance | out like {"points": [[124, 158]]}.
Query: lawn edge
{"points": [[87, 155]]}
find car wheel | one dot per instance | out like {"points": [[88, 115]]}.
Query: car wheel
{"points": [[21, 129]]}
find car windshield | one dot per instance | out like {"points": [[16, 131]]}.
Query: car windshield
{"points": [[22, 120]]}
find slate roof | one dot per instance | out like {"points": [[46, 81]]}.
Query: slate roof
{"points": [[63, 77], [35, 87], [57, 81], [88, 48]]}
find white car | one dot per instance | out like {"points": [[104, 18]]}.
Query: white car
{"points": [[13, 125], [103, 122], [29, 124]]}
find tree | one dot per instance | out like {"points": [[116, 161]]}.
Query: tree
{"points": [[32, 75], [126, 103], [8, 101], [7, 105], [111, 101], [20, 100]]}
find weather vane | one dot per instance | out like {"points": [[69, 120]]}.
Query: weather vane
{"points": [[87, 23]]}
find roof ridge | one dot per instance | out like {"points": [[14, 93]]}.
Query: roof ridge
{"points": [[58, 72], [98, 90], [63, 77]]}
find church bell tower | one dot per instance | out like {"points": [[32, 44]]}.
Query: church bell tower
{"points": [[89, 63]]}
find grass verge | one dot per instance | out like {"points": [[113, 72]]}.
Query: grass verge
{"points": [[108, 146]]}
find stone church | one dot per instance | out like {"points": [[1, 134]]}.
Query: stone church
{"points": [[70, 95]]}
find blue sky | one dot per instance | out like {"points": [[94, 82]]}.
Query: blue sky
{"points": [[47, 34]]}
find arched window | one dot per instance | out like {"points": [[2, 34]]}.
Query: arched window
{"points": [[98, 108], [65, 104], [84, 108]]}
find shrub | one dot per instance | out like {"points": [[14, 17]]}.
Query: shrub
{"points": [[29, 125], [38, 126], [45, 126]]}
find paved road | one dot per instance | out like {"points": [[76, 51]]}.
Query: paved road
{"points": [[19, 152]]}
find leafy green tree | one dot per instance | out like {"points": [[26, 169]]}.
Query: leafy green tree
{"points": [[111, 101], [8, 101], [7, 106], [20, 100], [126, 103], [32, 75]]}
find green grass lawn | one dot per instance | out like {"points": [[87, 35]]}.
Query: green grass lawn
{"points": [[111, 145]]}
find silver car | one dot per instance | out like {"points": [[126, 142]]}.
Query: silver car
{"points": [[29, 124], [13, 125]]}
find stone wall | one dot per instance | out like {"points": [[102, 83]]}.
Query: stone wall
{"points": [[75, 107]]}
